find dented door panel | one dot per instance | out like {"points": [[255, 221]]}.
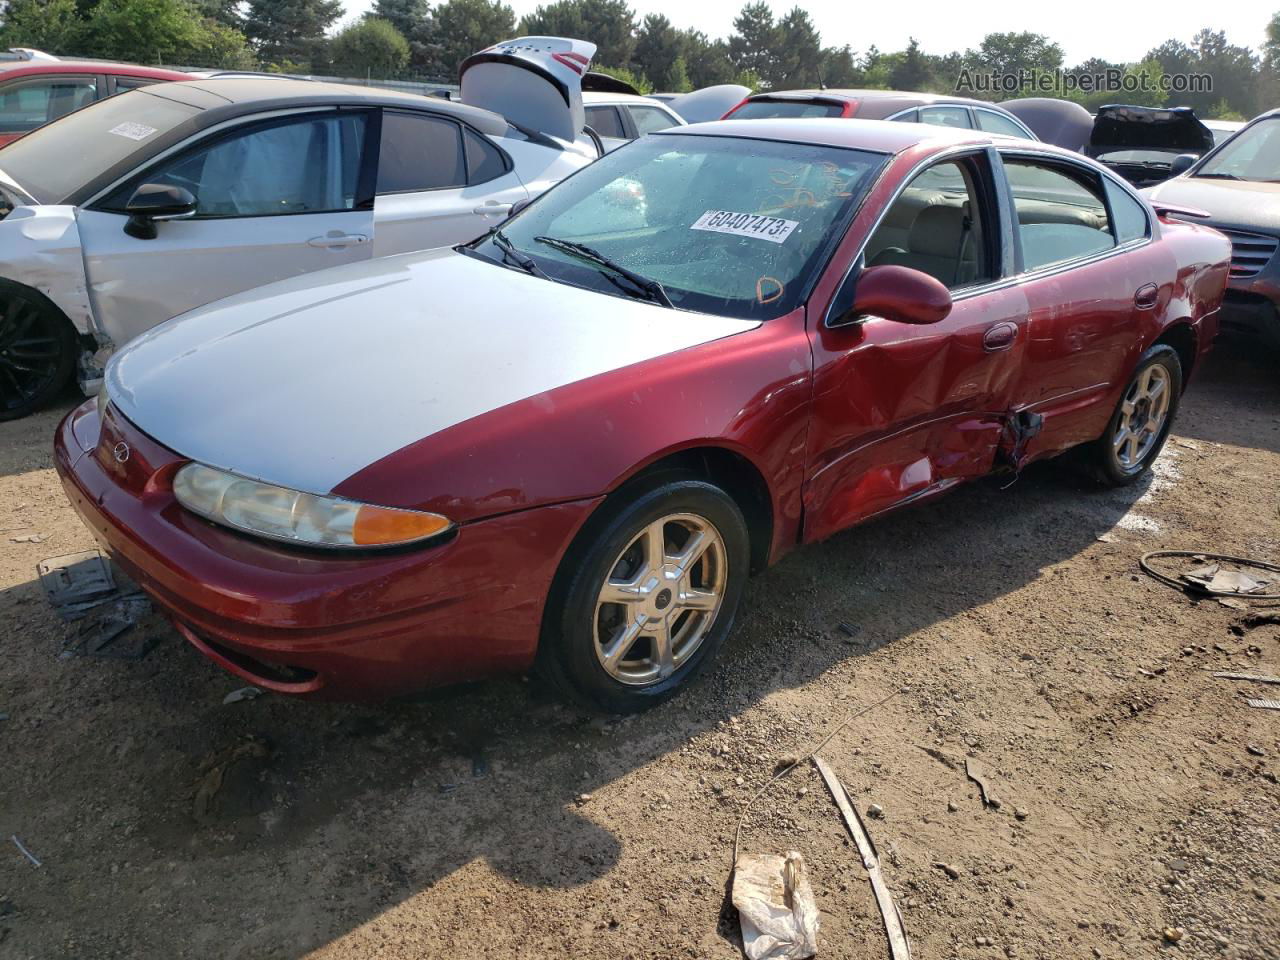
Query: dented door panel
{"points": [[901, 412]]}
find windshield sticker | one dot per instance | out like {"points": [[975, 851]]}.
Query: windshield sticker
{"points": [[132, 130], [773, 229]]}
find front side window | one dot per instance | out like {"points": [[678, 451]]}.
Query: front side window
{"points": [[133, 83], [419, 152], [727, 226], [651, 119], [307, 165], [945, 116], [769, 109], [1061, 212], [28, 104], [606, 122], [1128, 217], [1253, 155], [936, 226], [993, 122]]}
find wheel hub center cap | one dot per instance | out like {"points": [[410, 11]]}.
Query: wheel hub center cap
{"points": [[663, 600]]}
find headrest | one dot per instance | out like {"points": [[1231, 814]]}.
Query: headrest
{"points": [[938, 231]]}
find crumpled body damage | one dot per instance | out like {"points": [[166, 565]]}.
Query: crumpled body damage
{"points": [[40, 248]]}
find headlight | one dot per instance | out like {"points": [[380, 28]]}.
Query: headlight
{"points": [[278, 513]]}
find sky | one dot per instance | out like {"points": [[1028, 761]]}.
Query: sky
{"points": [[1117, 31]]}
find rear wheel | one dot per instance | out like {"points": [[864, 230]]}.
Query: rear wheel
{"points": [[1138, 428], [37, 352], [646, 596]]}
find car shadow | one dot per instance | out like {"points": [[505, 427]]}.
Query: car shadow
{"points": [[494, 771]]}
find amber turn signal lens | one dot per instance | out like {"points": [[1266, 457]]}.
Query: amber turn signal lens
{"points": [[384, 526]]}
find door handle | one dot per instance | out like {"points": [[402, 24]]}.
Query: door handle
{"points": [[1000, 337], [334, 240], [1146, 296], [491, 208]]}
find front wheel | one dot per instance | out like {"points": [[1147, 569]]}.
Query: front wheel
{"points": [[37, 352], [646, 596], [1138, 428]]}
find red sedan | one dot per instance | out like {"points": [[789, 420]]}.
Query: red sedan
{"points": [[568, 443], [36, 91]]}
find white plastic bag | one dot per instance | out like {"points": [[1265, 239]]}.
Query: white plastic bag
{"points": [[776, 906]]}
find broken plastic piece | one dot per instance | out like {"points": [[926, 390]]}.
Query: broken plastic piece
{"points": [[775, 906], [77, 582]]}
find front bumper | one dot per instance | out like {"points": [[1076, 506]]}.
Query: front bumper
{"points": [[315, 624]]}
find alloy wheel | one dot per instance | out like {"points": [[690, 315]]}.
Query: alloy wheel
{"points": [[661, 597], [1143, 413], [30, 352]]}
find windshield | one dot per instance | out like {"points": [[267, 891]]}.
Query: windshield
{"points": [[54, 161], [1253, 155], [769, 109], [725, 225]]}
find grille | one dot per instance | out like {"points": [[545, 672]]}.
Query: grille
{"points": [[1250, 252]]}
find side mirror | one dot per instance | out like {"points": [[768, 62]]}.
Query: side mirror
{"points": [[153, 202], [899, 294], [1182, 163]]}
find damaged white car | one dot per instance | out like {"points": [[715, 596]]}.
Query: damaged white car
{"points": [[141, 207]]}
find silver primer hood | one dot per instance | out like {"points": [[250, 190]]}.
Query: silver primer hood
{"points": [[307, 381]]}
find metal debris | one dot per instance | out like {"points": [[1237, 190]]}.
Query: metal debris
{"points": [[976, 772], [899, 946], [99, 632], [1263, 704], [1213, 579], [85, 587], [25, 852], [244, 693], [30, 538], [78, 582], [775, 906], [1251, 677]]}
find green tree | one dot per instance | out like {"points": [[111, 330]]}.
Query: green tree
{"points": [[912, 71], [754, 42], [463, 27], [53, 26], [292, 30], [370, 48], [707, 61], [609, 24], [1021, 55], [840, 67], [798, 53], [641, 83], [146, 31], [229, 13], [413, 19], [659, 52]]}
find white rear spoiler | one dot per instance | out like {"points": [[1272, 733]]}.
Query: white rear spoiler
{"points": [[535, 82]]}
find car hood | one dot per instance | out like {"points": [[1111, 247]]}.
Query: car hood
{"points": [[303, 383], [1234, 203], [1175, 130]]}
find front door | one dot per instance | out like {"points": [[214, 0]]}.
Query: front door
{"points": [[274, 199], [901, 412]]}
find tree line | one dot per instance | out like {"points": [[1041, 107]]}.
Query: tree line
{"points": [[414, 39]]}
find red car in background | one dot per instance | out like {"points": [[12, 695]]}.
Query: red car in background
{"points": [[570, 441], [39, 88]]}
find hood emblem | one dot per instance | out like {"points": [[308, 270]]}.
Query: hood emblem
{"points": [[121, 452]]}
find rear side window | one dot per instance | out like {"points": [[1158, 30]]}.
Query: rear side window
{"points": [[768, 109], [1061, 212], [419, 153], [484, 161], [993, 122], [1127, 215], [649, 119], [606, 122], [33, 103], [945, 116]]}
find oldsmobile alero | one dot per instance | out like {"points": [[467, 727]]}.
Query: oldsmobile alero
{"points": [[568, 443]]}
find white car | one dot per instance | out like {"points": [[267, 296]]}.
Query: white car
{"points": [[620, 118], [143, 206]]}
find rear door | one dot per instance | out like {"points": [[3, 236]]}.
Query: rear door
{"points": [[902, 412], [1090, 274], [439, 183], [275, 198]]}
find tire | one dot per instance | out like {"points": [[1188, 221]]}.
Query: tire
{"points": [[1114, 459], [587, 649], [37, 352]]}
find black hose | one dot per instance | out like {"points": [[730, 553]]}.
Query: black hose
{"points": [[1144, 563]]}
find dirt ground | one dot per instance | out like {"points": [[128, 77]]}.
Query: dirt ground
{"points": [[1138, 792]]}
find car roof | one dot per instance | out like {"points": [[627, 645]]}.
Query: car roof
{"points": [[600, 96], [11, 68], [857, 134], [235, 96]]}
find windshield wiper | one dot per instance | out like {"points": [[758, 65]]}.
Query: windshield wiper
{"points": [[1216, 176], [511, 255], [652, 289]]}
